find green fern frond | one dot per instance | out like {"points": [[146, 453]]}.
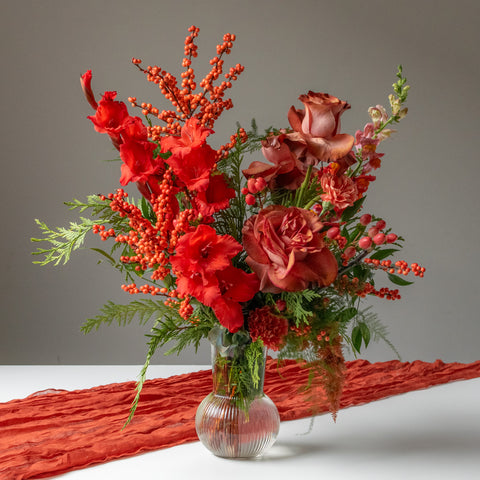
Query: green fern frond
{"points": [[123, 315], [63, 240], [153, 344]]}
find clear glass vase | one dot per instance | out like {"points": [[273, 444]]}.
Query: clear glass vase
{"points": [[237, 420]]}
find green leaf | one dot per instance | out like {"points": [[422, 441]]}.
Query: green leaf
{"points": [[357, 338], [365, 331], [105, 254], [147, 210], [349, 212], [398, 280], [381, 254], [347, 314]]}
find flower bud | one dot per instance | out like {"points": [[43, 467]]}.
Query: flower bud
{"points": [[365, 243], [365, 219]]}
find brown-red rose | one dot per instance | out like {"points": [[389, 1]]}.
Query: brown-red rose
{"points": [[286, 250], [315, 137]]}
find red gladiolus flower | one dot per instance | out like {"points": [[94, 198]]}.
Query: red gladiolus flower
{"points": [[203, 265], [85, 82], [216, 197], [204, 252], [111, 117], [235, 286], [135, 129], [138, 162], [316, 136], [286, 250], [192, 160]]}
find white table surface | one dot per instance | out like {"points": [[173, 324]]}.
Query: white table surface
{"points": [[428, 434]]}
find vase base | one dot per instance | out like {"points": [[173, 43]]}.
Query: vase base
{"points": [[230, 431]]}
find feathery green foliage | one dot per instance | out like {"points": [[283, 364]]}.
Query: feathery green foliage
{"points": [[63, 240]]}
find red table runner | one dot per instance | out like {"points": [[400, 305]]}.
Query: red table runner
{"points": [[51, 433]]}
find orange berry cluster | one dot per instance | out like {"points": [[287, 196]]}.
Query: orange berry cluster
{"points": [[401, 267], [352, 286], [384, 292], [323, 337], [184, 308], [104, 234], [185, 101], [133, 289], [225, 149], [151, 244], [301, 330]]}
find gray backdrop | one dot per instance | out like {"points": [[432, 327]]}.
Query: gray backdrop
{"points": [[426, 188]]}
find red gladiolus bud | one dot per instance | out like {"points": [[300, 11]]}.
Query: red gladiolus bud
{"points": [[250, 199], [365, 219], [365, 243], [85, 82], [372, 231], [379, 238]]}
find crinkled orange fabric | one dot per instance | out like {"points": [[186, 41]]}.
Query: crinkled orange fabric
{"points": [[52, 433]]}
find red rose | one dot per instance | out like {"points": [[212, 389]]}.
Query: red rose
{"points": [[286, 250], [285, 170], [316, 134]]}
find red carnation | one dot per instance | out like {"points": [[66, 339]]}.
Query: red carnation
{"points": [[271, 328], [339, 190]]}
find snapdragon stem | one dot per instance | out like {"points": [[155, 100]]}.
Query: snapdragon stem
{"points": [[300, 192]]}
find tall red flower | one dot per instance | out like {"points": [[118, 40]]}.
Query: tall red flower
{"points": [[86, 83], [192, 159], [111, 117], [235, 286], [138, 162], [204, 270], [216, 197]]}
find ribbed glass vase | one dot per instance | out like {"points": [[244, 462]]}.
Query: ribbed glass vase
{"points": [[237, 420]]}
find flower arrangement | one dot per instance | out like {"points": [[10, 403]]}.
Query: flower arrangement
{"points": [[274, 254]]}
